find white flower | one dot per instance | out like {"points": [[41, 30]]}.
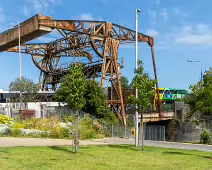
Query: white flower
{"points": [[3, 129]]}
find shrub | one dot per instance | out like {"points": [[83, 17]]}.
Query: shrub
{"points": [[60, 132], [4, 119], [86, 129], [87, 133], [30, 123], [16, 132], [17, 125], [67, 118], [205, 137], [97, 126], [64, 132], [99, 136]]}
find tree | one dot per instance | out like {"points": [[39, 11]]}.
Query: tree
{"points": [[96, 102], [95, 99], [26, 87], [145, 86], [72, 91], [73, 88], [124, 82], [201, 97], [84, 95]]}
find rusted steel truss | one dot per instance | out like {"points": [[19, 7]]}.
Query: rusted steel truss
{"points": [[97, 42]]}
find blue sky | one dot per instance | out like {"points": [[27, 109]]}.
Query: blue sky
{"points": [[182, 31]]}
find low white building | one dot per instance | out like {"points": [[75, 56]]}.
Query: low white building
{"points": [[11, 108]]}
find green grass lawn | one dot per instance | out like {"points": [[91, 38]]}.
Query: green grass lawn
{"points": [[103, 157]]}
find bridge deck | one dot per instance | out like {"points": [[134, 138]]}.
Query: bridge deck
{"points": [[29, 30], [153, 117]]}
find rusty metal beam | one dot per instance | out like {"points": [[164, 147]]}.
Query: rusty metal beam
{"points": [[97, 28], [40, 25]]}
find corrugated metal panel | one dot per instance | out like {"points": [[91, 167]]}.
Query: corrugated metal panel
{"points": [[29, 30]]}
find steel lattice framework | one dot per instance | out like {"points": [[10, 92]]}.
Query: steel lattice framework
{"points": [[95, 41]]}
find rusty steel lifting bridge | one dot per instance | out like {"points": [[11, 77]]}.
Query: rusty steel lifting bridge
{"points": [[97, 42]]}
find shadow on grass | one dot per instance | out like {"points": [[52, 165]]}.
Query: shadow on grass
{"points": [[126, 147], [63, 149], [182, 153], [174, 153]]}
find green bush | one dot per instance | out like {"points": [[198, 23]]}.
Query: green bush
{"points": [[205, 137], [17, 125], [60, 132], [99, 136], [87, 133], [64, 133], [30, 123], [4, 119], [53, 128], [16, 132], [87, 130], [67, 118]]}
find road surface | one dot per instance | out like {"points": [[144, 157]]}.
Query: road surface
{"points": [[10, 142]]}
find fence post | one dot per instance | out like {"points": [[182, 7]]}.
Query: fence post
{"points": [[125, 131], [112, 131], [164, 133]]}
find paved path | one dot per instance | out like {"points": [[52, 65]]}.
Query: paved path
{"points": [[10, 142]]}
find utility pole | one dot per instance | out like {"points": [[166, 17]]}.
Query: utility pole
{"points": [[136, 67], [19, 51]]}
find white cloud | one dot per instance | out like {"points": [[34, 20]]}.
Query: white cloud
{"points": [[152, 32], [199, 34], [89, 17], [180, 13], [192, 36], [165, 15], [86, 17], [38, 6]]}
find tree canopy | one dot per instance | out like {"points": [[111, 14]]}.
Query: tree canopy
{"points": [[95, 99], [84, 95], [26, 86], [124, 82], [145, 86], [201, 95], [72, 89]]}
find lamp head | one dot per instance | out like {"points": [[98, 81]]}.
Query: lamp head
{"points": [[138, 10]]}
